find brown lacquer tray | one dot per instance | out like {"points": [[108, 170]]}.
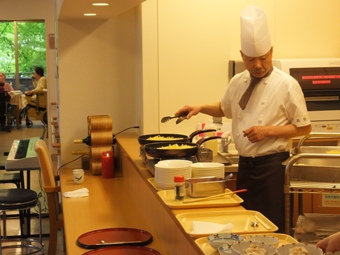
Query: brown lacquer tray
{"points": [[114, 237], [123, 250]]}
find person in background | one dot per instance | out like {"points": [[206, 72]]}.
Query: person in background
{"points": [[39, 83], [5, 85], [263, 123], [330, 243]]}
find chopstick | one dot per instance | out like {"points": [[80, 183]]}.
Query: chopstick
{"points": [[215, 196], [261, 221], [247, 225]]}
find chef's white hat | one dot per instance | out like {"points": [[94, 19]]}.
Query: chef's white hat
{"points": [[255, 37]]}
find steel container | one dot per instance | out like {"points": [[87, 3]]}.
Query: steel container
{"points": [[204, 186]]}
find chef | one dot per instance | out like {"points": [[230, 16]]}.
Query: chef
{"points": [[267, 109]]}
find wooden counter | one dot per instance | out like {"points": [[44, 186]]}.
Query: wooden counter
{"points": [[128, 200]]}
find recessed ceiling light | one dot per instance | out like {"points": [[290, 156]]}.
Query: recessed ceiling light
{"points": [[100, 4], [90, 14]]}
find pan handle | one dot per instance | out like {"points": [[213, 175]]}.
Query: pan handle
{"points": [[192, 135], [202, 140]]}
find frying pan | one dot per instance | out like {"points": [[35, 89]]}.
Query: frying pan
{"points": [[144, 139], [154, 149]]}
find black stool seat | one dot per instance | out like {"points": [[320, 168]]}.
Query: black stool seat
{"points": [[17, 199], [22, 200]]}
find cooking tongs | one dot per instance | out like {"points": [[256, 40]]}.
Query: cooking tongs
{"points": [[180, 118]]}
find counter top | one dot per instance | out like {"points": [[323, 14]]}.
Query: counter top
{"points": [[127, 200], [107, 206]]}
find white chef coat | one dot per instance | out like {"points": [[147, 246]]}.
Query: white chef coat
{"points": [[277, 100]]}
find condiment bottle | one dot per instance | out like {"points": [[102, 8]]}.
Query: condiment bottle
{"points": [[179, 187]]}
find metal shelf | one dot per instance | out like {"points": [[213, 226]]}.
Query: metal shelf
{"points": [[311, 169]]}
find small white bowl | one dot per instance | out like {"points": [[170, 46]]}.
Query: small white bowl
{"points": [[224, 249], [240, 248], [288, 248], [216, 240], [267, 239]]}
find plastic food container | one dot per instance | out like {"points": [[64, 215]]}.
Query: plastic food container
{"points": [[204, 186]]}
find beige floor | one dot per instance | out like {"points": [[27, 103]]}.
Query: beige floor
{"points": [[6, 140]]}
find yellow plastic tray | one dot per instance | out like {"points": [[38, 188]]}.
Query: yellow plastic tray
{"points": [[168, 196], [240, 219]]}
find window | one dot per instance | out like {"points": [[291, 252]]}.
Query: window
{"points": [[22, 47]]}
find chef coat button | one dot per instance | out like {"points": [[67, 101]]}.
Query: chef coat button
{"points": [[238, 135]]}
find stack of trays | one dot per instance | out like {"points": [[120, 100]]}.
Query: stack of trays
{"points": [[165, 171], [204, 169]]}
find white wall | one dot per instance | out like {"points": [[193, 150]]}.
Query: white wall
{"points": [[99, 63], [194, 40]]}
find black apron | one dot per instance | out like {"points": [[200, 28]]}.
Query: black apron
{"points": [[263, 177]]}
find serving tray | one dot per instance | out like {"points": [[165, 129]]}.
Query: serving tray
{"points": [[123, 250], [153, 183], [168, 197], [114, 237], [241, 220], [208, 250]]}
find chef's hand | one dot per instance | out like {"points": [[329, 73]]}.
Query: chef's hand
{"points": [[255, 133], [330, 243], [191, 110]]}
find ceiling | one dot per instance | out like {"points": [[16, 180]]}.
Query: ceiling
{"points": [[75, 9]]}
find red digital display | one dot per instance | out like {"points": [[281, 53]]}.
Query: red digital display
{"points": [[316, 78]]}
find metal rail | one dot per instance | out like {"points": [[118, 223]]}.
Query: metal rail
{"points": [[317, 135], [288, 187]]}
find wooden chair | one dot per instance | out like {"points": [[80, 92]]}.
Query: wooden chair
{"points": [[52, 191]]}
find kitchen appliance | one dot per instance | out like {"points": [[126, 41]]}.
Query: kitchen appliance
{"points": [[319, 79]]}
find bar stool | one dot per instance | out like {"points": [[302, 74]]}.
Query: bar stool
{"points": [[21, 200]]}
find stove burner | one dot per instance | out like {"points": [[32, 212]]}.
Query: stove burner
{"points": [[151, 162]]}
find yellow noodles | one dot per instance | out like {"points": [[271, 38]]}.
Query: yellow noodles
{"points": [[175, 147], [163, 138]]}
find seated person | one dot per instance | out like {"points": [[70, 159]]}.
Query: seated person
{"points": [[39, 83], [5, 85], [4, 88]]}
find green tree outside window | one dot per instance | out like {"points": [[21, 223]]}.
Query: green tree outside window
{"points": [[31, 50]]}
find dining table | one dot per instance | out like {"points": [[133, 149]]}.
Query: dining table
{"points": [[19, 102]]}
